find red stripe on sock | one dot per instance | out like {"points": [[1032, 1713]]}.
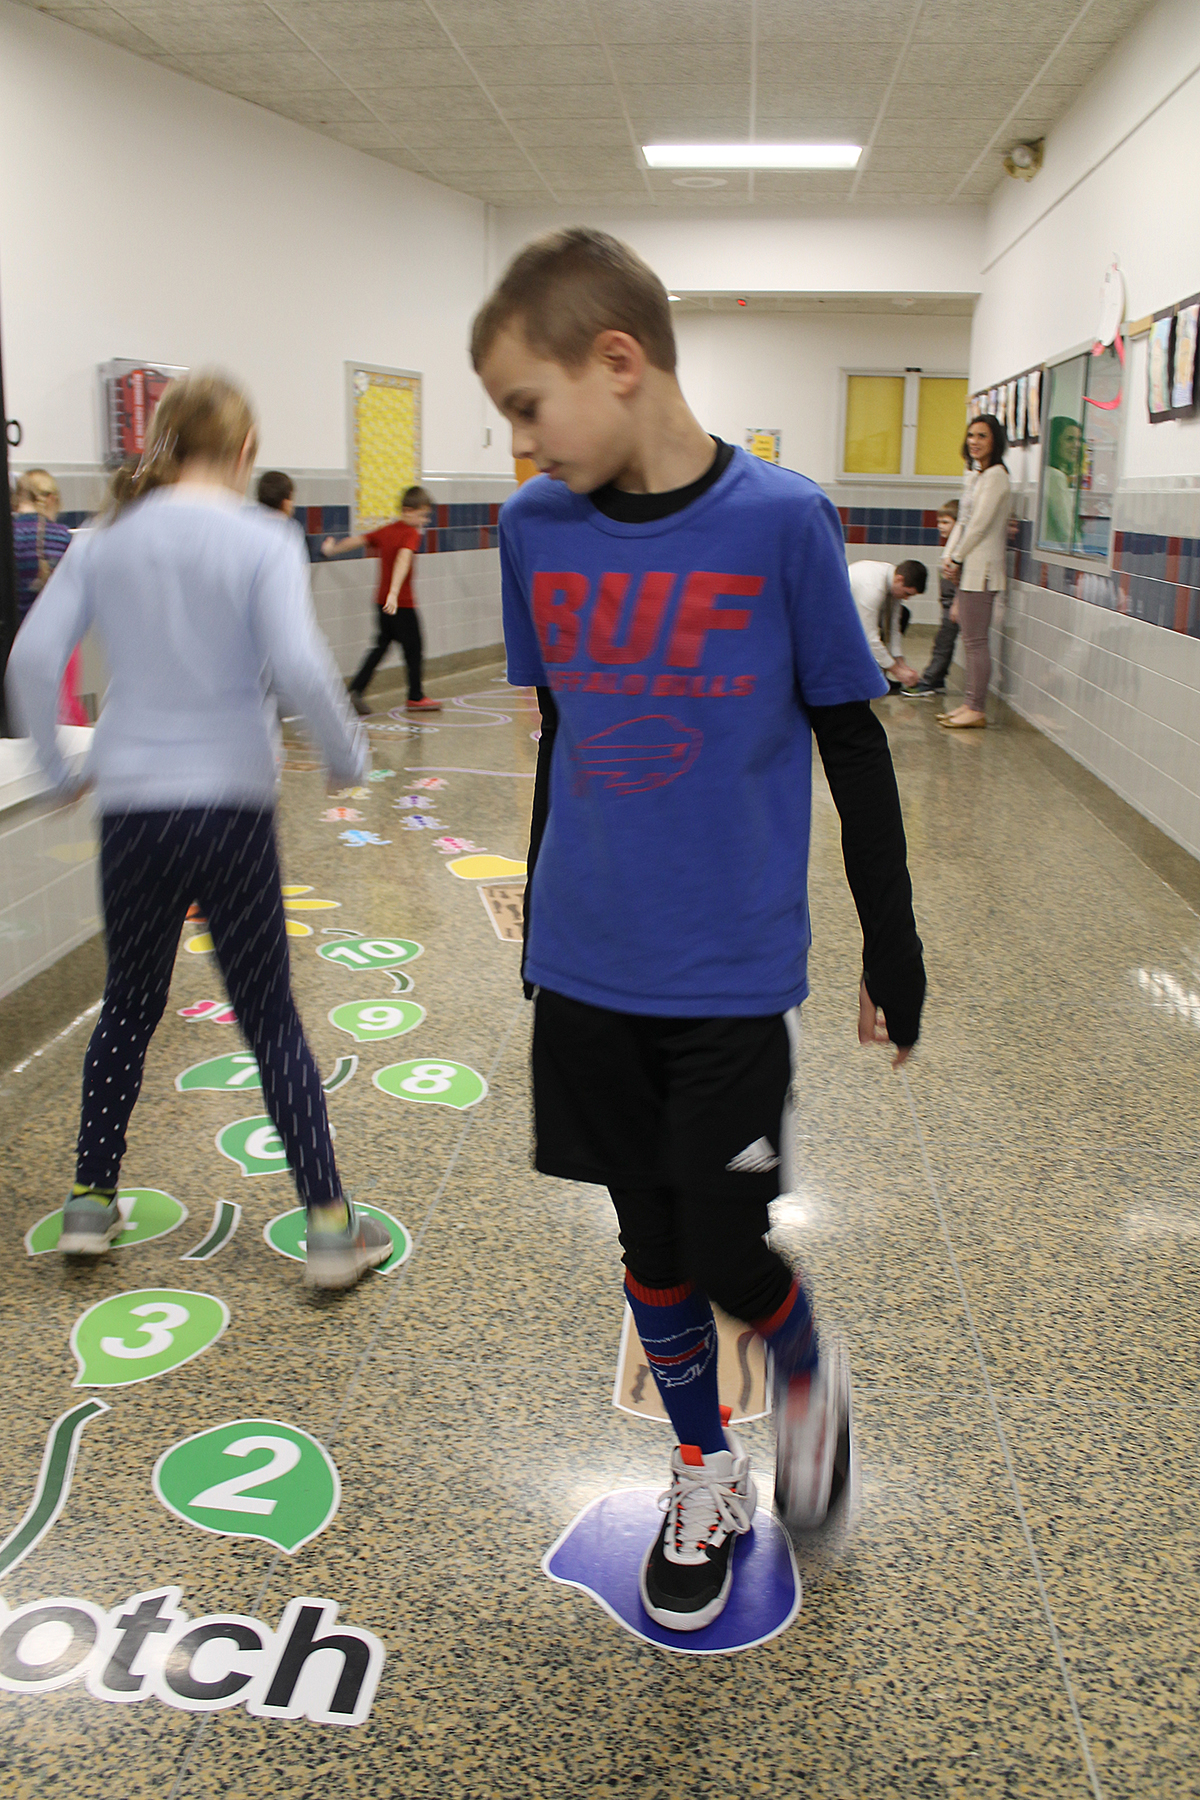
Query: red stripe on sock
{"points": [[765, 1327], [658, 1296]]}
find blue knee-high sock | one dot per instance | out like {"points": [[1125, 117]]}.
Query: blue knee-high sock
{"points": [[790, 1334], [679, 1336]]}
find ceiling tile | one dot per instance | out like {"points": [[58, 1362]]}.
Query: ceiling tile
{"points": [[563, 101], [252, 72], [481, 23], [485, 136], [369, 136], [548, 64], [835, 21], [405, 68], [464, 160], [682, 63], [332, 105], [670, 21], [682, 100], [191, 29], [453, 107], [102, 22], [566, 134]]}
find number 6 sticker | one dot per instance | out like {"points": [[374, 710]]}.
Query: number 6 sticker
{"points": [[137, 1336], [251, 1478], [441, 1083]]}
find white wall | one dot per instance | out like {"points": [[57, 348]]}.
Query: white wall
{"points": [[1119, 179], [818, 251], [782, 370], [144, 215]]}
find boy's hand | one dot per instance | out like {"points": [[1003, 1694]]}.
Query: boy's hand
{"points": [[872, 1026], [391, 604], [328, 546]]}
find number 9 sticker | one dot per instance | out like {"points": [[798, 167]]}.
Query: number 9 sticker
{"points": [[440, 1083], [136, 1336], [369, 1021]]}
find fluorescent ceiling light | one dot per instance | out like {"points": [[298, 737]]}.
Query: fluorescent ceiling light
{"points": [[752, 156]]}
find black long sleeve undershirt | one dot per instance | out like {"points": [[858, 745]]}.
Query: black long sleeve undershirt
{"points": [[858, 766]]}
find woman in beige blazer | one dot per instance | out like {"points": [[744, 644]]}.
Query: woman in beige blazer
{"points": [[976, 551]]}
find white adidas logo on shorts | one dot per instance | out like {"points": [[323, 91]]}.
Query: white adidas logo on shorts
{"points": [[755, 1159]]}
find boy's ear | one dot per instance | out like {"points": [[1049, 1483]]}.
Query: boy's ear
{"points": [[623, 359]]}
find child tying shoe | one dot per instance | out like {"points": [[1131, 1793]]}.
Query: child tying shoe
{"points": [[203, 609], [684, 612]]}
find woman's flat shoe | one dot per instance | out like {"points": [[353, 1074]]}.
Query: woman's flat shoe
{"points": [[949, 724]]}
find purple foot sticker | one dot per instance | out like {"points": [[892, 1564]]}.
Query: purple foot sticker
{"points": [[601, 1552]]}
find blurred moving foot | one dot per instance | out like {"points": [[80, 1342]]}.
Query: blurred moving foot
{"points": [[924, 690], [336, 1259], [687, 1572], [812, 1424], [91, 1220], [424, 706], [359, 704]]}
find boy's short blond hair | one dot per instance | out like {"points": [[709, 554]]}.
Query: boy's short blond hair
{"points": [[567, 287]]}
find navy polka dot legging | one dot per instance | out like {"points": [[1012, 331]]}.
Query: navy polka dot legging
{"points": [[153, 865]]}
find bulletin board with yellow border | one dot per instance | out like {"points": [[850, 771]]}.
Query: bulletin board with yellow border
{"points": [[383, 417]]}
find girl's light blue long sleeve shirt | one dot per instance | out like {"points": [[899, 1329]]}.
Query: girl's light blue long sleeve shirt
{"points": [[204, 611]]}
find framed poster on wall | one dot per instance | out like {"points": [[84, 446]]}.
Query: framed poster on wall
{"points": [[1158, 366], [129, 392], [764, 442], [1033, 407], [1022, 393], [1183, 357], [383, 433]]}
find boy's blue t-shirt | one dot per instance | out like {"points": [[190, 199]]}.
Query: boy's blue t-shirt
{"points": [[672, 878]]}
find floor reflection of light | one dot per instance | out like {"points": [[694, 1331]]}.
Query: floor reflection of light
{"points": [[1159, 1222], [1170, 994]]}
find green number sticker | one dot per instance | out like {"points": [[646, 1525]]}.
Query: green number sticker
{"points": [[442, 1083], [285, 1233], [148, 1213], [251, 1478], [255, 1145], [221, 1074], [370, 953], [367, 1021], [136, 1336]]}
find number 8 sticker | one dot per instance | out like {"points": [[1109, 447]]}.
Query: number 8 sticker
{"points": [[137, 1336], [440, 1083]]}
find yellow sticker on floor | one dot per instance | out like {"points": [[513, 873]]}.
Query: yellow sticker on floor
{"points": [[741, 1372], [485, 868]]}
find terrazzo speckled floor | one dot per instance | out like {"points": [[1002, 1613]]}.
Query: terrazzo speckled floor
{"points": [[1008, 1237]]}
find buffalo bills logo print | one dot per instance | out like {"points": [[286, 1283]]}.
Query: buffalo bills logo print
{"points": [[640, 754]]}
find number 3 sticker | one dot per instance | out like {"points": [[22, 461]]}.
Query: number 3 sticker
{"points": [[134, 1337]]}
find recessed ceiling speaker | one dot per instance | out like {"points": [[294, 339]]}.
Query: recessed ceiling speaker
{"points": [[699, 181], [1024, 160]]}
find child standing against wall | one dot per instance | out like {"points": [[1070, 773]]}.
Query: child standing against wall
{"points": [[933, 676], [684, 612], [396, 545], [202, 607]]}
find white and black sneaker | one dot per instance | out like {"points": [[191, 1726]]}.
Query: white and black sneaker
{"points": [[813, 1424], [687, 1573]]}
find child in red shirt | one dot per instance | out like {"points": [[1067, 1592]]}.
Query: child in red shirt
{"points": [[395, 545]]}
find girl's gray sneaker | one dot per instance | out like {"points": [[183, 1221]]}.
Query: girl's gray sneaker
{"points": [[336, 1259], [90, 1223]]}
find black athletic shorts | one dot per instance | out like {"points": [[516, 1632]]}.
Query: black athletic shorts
{"points": [[625, 1101]]}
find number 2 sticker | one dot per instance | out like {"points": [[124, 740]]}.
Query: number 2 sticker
{"points": [[253, 1478]]}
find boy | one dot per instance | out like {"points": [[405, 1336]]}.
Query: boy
{"points": [[933, 676], [395, 545], [684, 612], [276, 491], [880, 590]]}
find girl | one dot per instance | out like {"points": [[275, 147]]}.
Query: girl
{"points": [[976, 554], [39, 545], [203, 608]]}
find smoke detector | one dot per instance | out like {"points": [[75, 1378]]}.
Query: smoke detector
{"points": [[1024, 160]]}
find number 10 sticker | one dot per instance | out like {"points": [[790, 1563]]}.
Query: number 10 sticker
{"points": [[251, 1478]]}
